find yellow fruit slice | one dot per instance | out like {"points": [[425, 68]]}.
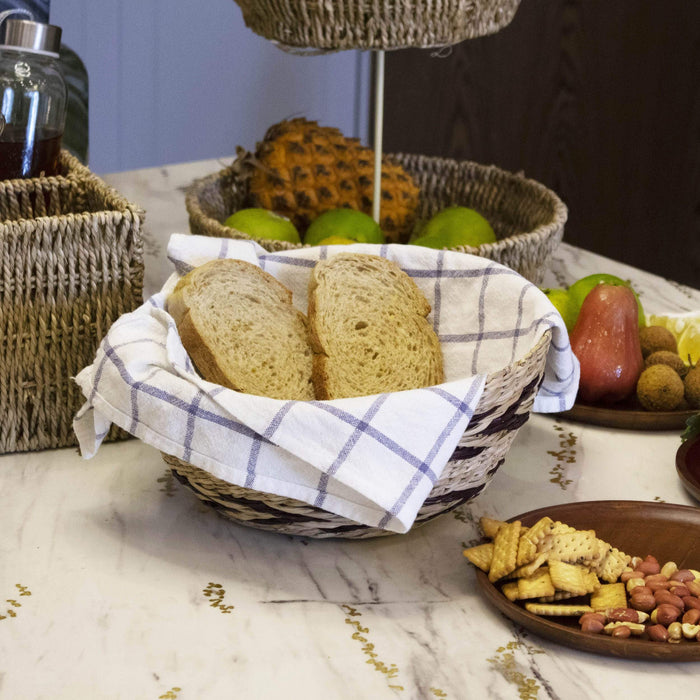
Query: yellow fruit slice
{"points": [[689, 344], [686, 328]]}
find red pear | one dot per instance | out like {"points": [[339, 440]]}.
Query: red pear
{"points": [[605, 339]]}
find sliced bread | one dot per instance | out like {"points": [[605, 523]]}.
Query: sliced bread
{"points": [[369, 329], [240, 329]]}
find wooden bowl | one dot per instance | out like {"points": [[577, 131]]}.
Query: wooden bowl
{"points": [[669, 532], [688, 466]]}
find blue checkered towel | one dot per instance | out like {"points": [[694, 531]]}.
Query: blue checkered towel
{"points": [[372, 459]]}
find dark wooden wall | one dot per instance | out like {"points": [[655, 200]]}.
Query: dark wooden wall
{"points": [[597, 99]]}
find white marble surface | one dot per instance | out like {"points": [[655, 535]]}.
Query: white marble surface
{"points": [[116, 582]]}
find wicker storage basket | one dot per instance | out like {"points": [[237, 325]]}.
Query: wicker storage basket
{"points": [[503, 408], [527, 217], [334, 25], [72, 263]]}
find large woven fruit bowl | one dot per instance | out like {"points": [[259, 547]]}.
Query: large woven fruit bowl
{"points": [[330, 25], [503, 408], [527, 217]]}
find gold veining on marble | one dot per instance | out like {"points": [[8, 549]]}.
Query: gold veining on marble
{"points": [[168, 483], [566, 454], [391, 671], [216, 592], [171, 694], [438, 693], [504, 662], [23, 591]]}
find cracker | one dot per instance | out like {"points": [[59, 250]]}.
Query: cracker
{"points": [[609, 595], [510, 590], [557, 610], [537, 585], [527, 550], [480, 555], [572, 578], [505, 550], [613, 565], [489, 526], [541, 528], [558, 595], [529, 568], [571, 547]]}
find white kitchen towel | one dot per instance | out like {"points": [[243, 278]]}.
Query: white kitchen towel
{"points": [[373, 459]]}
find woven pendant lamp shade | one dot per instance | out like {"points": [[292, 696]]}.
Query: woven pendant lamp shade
{"points": [[336, 25]]}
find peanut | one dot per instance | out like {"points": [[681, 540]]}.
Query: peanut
{"points": [[635, 562], [663, 596], [690, 631], [691, 602], [634, 628], [665, 614], [650, 565], [683, 575], [693, 587], [625, 615], [680, 589], [675, 632], [627, 575], [642, 601], [691, 617], [622, 632], [669, 568], [633, 583], [591, 625], [657, 633]]}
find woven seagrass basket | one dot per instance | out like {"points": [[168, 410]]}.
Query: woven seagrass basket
{"points": [[503, 408], [335, 25], [72, 263], [527, 217]]}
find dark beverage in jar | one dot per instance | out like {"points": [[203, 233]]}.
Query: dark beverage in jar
{"points": [[33, 155]]}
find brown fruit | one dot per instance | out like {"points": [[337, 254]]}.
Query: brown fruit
{"points": [[666, 357], [653, 338], [691, 384], [660, 388], [605, 340], [301, 170]]}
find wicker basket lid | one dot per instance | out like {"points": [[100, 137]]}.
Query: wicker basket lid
{"points": [[336, 25]]}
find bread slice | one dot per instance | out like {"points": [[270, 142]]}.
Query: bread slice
{"points": [[369, 329], [240, 329]]}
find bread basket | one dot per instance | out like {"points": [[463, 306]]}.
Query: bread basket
{"points": [[334, 25], [503, 408], [72, 257], [527, 217]]}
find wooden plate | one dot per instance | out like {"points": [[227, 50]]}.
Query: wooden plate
{"points": [[688, 466], [669, 532], [628, 417]]}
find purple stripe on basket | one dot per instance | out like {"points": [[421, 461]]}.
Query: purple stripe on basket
{"points": [[380, 437], [360, 428], [189, 430], [462, 407]]}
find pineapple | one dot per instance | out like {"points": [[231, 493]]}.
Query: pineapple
{"points": [[301, 169]]}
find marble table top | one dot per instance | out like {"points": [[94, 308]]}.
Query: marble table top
{"points": [[117, 583]]}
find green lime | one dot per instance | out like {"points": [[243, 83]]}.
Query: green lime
{"points": [[455, 226], [336, 240], [579, 290], [562, 303], [263, 223], [352, 224]]}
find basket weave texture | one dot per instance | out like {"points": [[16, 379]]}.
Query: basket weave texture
{"points": [[503, 408], [334, 25], [527, 217], [72, 263]]}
